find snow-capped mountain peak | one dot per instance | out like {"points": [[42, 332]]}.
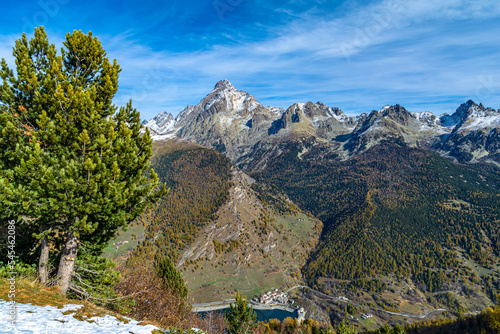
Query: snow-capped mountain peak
{"points": [[161, 123], [384, 108], [224, 85], [276, 110], [470, 116]]}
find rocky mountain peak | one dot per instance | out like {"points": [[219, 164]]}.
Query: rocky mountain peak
{"points": [[464, 111], [467, 108], [224, 85], [161, 123], [396, 112], [383, 117], [236, 124], [186, 111]]}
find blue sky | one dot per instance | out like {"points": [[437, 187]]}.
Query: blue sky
{"points": [[357, 55]]}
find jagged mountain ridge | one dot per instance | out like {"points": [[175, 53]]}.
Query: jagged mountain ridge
{"points": [[234, 123]]}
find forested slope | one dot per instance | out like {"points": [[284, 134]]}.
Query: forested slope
{"points": [[199, 180], [394, 210], [224, 231]]}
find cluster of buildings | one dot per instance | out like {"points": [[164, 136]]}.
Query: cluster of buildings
{"points": [[363, 316], [273, 297]]}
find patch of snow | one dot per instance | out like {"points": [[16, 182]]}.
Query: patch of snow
{"points": [[161, 123], [300, 105], [238, 103], [157, 137], [384, 108], [276, 110], [212, 102], [374, 127], [51, 320], [341, 118], [481, 122], [224, 85], [429, 122], [253, 105], [477, 112], [424, 116], [437, 129], [160, 129], [448, 121], [226, 120], [189, 109]]}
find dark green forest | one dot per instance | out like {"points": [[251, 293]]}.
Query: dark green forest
{"points": [[199, 180], [394, 210]]}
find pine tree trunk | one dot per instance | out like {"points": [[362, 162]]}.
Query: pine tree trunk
{"points": [[43, 273], [67, 262]]}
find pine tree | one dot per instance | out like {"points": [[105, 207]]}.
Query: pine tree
{"points": [[398, 330], [172, 277], [76, 167], [384, 329], [240, 318], [344, 328]]}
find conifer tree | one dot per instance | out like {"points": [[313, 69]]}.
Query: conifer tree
{"points": [[172, 277], [344, 328], [72, 165], [384, 329], [240, 318], [399, 330]]}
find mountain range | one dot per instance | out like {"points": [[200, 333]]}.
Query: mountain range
{"points": [[234, 123]]}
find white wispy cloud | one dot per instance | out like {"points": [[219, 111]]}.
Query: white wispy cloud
{"points": [[425, 54]]}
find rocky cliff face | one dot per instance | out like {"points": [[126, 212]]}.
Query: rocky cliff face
{"points": [[234, 123], [474, 136]]}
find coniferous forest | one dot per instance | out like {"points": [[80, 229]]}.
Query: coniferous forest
{"points": [[395, 210], [199, 181]]}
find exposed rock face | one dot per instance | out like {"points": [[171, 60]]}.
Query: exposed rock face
{"points": [[228, 120], [234, 123], [393, 124], [475, 134], [321, 121]]}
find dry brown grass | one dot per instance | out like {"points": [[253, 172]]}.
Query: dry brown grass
{"points": [[154, 305], [153, 301], [30, 291]]}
